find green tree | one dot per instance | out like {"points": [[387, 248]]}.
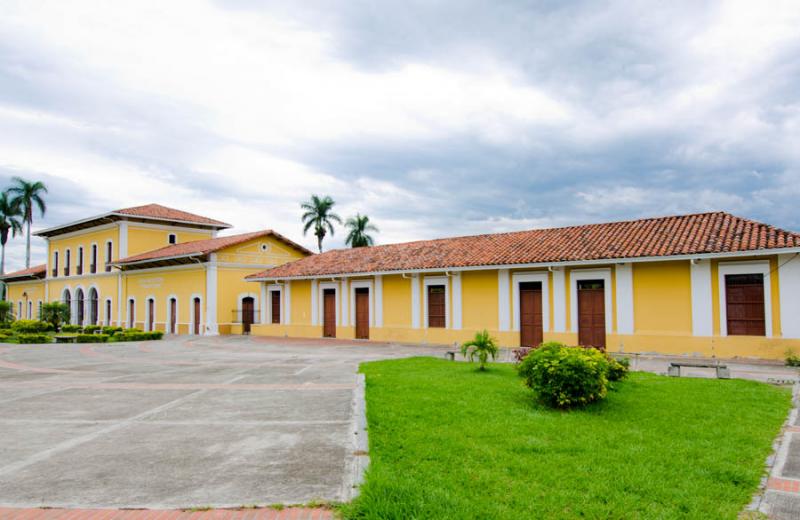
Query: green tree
{"points": [[25, 196], [481, 346], [319, 215], [9, 223], [358, 231], [55, 313], [6, 311]]}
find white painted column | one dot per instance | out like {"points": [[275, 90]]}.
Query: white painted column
{"points": [[624, 278], [457, 301], [789, 283], [559, 301], [314, 305], [286, 315], [123, 239], [212, 328], [379, 301], [265, 302], [344, 295], [503, 300], [414, 301], [702, 319]]}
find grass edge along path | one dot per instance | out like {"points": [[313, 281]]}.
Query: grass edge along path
{"points": [[447, 441]]}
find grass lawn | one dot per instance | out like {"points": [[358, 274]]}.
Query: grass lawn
{"points": [[447, 441]]}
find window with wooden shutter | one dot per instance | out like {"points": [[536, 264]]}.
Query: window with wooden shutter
{"points": [[436, 306], [744, 304]]}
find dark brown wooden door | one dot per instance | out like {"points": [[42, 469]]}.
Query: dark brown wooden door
{"points": [[530, 314], [248, 313], [362, 313], [744, 304], [329, 313], [108, 313], [151, 314], [131, 313], [196, 324], [173, 315], [436, 306], [94, 310], [591, 314], [276, 306]]}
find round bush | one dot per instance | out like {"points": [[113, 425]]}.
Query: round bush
{"points": [[30, 326], [617, 368], [565, 377]]}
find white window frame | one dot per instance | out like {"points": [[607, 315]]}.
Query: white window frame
{"points": [[520, 278], [579, 275], [271, 289], [436, 280], [362, 284], [752, 267]]}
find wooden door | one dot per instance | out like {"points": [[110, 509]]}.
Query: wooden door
{"points": [[530, 314], [196, 323], [744, 304], [93, 307], [108, 313], [248, 313], [151, 312], [173, 315], [275, 301], [131, 313], [591, 314], [80, 297], [329, 313], [362, 313], [437, 308]]}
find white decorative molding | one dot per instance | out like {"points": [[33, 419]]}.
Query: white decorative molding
{"points": [[378, 301], [240, 304], [211, 296], [345, 294], [286, 315], [559, 301], [503, 300], [702, 298], [754, 267], [541, 277], [789, 280], [415, 298], [436, 280], [624, 282], [457, 301], [362, 284], [123, 239], [578, 275]]}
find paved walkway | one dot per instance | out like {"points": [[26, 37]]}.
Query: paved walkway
{"points": [[289, 513]]}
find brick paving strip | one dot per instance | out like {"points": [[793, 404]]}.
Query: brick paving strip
{"points": [[289, 513]]}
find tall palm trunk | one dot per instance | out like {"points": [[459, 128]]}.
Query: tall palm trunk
{"points": [[3, 259], [28, 243]]}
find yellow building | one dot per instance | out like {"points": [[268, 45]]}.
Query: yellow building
{"points": [[706, 284], [151, 267]]}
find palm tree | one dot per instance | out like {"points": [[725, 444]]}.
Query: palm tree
{"points": [[9, 222], [358, 227], [318, 215], [482, 346], [24, 196]]}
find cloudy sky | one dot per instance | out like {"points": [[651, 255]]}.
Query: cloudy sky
{"points": [[435, 118]]}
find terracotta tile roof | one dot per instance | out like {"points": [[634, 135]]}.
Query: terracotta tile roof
{"points": [[204, 247], [36, 271], [163, 212], [665, 236]]}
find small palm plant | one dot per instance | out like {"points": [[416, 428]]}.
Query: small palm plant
{"points": [[481, 346]]}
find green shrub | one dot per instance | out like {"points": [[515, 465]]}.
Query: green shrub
{"points": [[6, 338], [136, 335], [792, 359], [34, 338], [90, 329], [92, 338], [30, 326], [564, 377], [617, 368], [133, 330], [111, 330], [156, 334], [6, 311], [71, 328], [55, 313]]}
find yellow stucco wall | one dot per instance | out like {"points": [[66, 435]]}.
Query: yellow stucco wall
{"points": [[662, 296], [480, 300], [183, 284], [24, 292], [141, 239], [86, 239]]}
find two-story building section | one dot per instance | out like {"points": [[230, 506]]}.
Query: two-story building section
{"points": [[151, 267]]}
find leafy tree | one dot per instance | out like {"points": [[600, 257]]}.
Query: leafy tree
{"points": [[358, 228], [9, 223], [55, 313], [6, 311], [319, 215], [25, 195], [481, 346]]}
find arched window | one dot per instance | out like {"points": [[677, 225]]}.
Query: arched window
{"points": [[55, 264], [30, 309], [79, 303], [173, 315], [93, 306], [66, 262], [151, 315]]}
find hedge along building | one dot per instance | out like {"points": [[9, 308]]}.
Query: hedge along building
{"points": [[709, 284], [152, 267]]}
